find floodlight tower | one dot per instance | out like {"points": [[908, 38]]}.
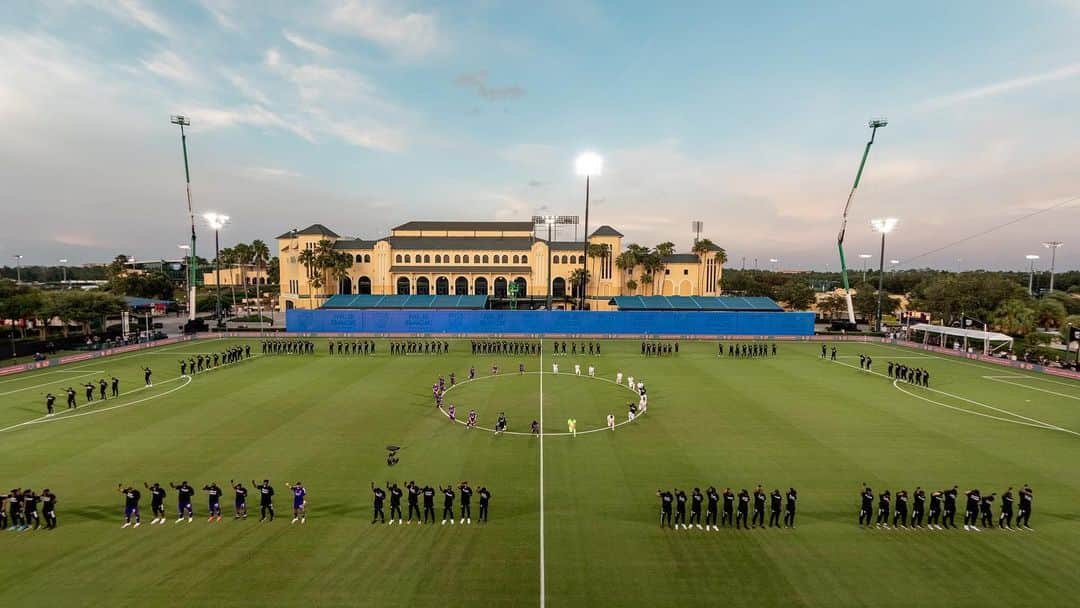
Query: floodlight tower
{"points": [[184, 121], [587, 164], [217, 221], [884, 226], [1031, 257], [1053, 247], [551, 221], [875, 124]]}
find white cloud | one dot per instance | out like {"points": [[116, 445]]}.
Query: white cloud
{"points": [[999, 88], [408, 34], [171, 66], [245, 87], [273, 57], [305, 45], [252, 115], [270, 172], [220, 11], [134, 13]]}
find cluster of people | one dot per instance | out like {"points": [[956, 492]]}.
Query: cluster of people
{"points": [[826, 352], [577, 369], [752, 350], [355, 347], [913, 375], [288, 347], [590, 348], [19, 510], [736, 508], [104, 387], [197, 363], [185, 494], [419, 347], [979, 508], [659, 349], [504, 347], [415, 492]]}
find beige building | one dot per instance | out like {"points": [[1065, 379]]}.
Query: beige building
{"points": [[504, 260], [237, 275]]}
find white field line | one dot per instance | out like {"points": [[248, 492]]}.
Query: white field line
{"points": [[1075, 385], [1037, 423], [543, 582], [891, 358], [137, 353], [959, 359], [1033, 388], [896, 384], [59, 371], [28, 388], [543, 434]]}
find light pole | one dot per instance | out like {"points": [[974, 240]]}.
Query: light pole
{"points": [[776, 264], [256, 260], [893, 263], [183, 121], [1053, 247], [18, 267], [864, 257], [551, 221], [63, 267], [884, 226], [587, 164], [217, 221], [187, 277], [1031, 257]]}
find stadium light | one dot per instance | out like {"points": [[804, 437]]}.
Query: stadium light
{"points": [[18, 267], [884, 226], [776, 264], [864, 257], [217, 221], [551, 221], [63, 266], [1053, 247], [587, 164], [1031, 257]]}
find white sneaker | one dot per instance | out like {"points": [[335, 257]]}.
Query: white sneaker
{"points": [[399, 522], [389, 523], [451, 522], [303, 521], [462, 520], [966, 527], [126, 524], [136, 524], [444, 522], [294, 520], [161, 522], [469, 521], [154, 522], [698, 526], [190, 519], [974, 529], [179, 520]]}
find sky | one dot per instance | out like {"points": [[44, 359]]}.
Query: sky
{"points": [[361, 115]]}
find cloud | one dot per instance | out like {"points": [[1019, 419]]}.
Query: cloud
{"points": [[999, 88], [252, 115], [477, 81], [245, 87], [305, 45], [135, 13], [270, 172], [219, 10], [409, 34], [273, 57], [170, 66]]}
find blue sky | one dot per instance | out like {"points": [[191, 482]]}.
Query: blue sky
{"points": [[361, 115]]}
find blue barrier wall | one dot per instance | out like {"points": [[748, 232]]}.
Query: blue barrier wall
{"points": [[545, 322]]}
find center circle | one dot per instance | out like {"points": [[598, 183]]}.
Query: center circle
{"points": [[587, 399]]}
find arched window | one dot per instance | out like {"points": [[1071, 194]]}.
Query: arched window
{"points": [[403, 286], [438, 259], [398, 258], [554, 259], [457, 259], [564, 259], [363, 286], [442, 286], [500, 287], [367, 258], [408, 259], [506, 259], [359, 258], [522, 287], [558, 288], [423, 287], [475, 259], [427, 259], [480, 286], [485, 259], [573, 259], [515, 259], [345, 285], [461, 286]]}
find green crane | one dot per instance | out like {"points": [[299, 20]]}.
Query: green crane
{"points": [[874, 126]]}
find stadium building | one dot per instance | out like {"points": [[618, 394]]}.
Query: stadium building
{"points": [[504, 261]]}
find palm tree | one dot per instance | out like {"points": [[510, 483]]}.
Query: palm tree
{"points": [[340, 268], [242, 253], [662, 251], [701, 248], [626, 262], [580, 278], [646, 279], [597, 250], [631, 285], [308, 259], [652, 264]]}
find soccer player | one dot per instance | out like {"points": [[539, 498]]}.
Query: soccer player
{"points": [[823, 351], [618, 378], [414, 501], [789, 508], [744, 507], [555, 368], [592, 371], [971, 510], [632, 411], [866, 510], [666, 499], [451, 413], [131, 504], [378, 496], [949, 515], [213, 501], [917, 510], [987, 507], [50, 401], [500, 423], [696, 497], [157, 502], [299, 504], [184, 494], [466, 500], [884, 508], [115, 386], [266, 500], [71, 398], [448, 504], [712, 508], [485, 500], [900, 512], [535, 427], [1024, 514], [471, 423], [395, 501], [89, 392], [630, 383], [15, 509], [429, 504], [611, 421], [935, 510], [147, 373], [102, 387], [774, 508], [729, 504], [832, 354], [758, 516], [1005, 519], [239, 500], [30, 513], [571, 424], [48, 508]]}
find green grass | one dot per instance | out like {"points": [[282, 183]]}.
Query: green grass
{"points": [[793, 420]]}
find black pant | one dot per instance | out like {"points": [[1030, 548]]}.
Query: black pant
{"points": [[395, 509], [789, 518], [680, 517], [665, 517], [774, 518], [758, 517], [949, 518], [987, 518], [1005, 520], [265, 509], [483, 511], [158, 509], [378, 514], [726, 520], [971, 517], [429, 510], [933, 518], [916, 517], [900, 516], [741, 519], [466, 510], [414, 507], [3, 519], [710, 517], [32, 516], [864, 515], [695, 517], [448, 512], [1023, 517], [882, 516], [50, 519]]}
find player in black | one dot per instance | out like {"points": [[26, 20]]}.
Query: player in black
{"points": [[30, 513], [239, 500], [789, 508], [948, 517], [89, 392], [917, 509], [1005, 519], [971, 510], [933, 519], [131, 504], [466, 500], [901, 509], [157, 502], [184, 494], [377, 504], [666, 498], [102, 387], [48, 508], [712, 509], [832, 354], [266, 500], [3, 513], [696, 498], [866, 510], [71, 398], [15, 499], [448, 504], [485, 500], [50, 403], [429, 504], [775, 500], [395, 501], [824, 351], [680, 508], [414, 501], [115, 386], [147, 373], [1024, 515], [728, 519], [986, 506], [758, 518], [744, 507], [213, 497], [884, 508]]}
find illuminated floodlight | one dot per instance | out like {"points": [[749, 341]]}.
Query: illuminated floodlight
{"points": [[589, 164], [884, 225], [216, 221]]}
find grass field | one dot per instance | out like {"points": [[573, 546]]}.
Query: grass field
{"points": [[793, 420]]}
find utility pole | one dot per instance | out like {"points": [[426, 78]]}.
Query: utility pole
{"points": [[1053, 247], [183, 121]]}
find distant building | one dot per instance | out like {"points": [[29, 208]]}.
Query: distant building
{"points": [[503, 260], [236, 275]]}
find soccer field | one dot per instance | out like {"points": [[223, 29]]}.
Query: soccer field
{"points": [[574, 521]]}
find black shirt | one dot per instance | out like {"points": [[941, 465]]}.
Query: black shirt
{"points": [[729, 501], [1007, 501], [744, 502], [213, 493], [774, 504], [867, 499], [665, 501], [972, 500], [429, 497], [266, 495], [950, 498], [680, 499], [395, 496], [714, 499], [157, 495], [1025, 500], [184, 494], [414, 494], [695, 501], [759, 501], [131, 498], [448, 497], [48, 502], [485, 496], [792, 496], [241, 495], [379, 497], [466, 495]]}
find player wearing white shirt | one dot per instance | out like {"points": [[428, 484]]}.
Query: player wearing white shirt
{"points": [[630, 383], [611, 421], [554, 368], [577, 369], [592, 372], [618, 378]]}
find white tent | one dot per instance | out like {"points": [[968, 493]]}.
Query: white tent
{"points": [[992, 339]]}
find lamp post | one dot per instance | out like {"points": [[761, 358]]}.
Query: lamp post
{"points": [[63, 267], [187, 278], [183, 121], [217, 221], [893, 263], [18, 267], [865, 257], [1053, 247], [776, 264], [884, 226], [1031, 257], [551, 221], [587, 164]]}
